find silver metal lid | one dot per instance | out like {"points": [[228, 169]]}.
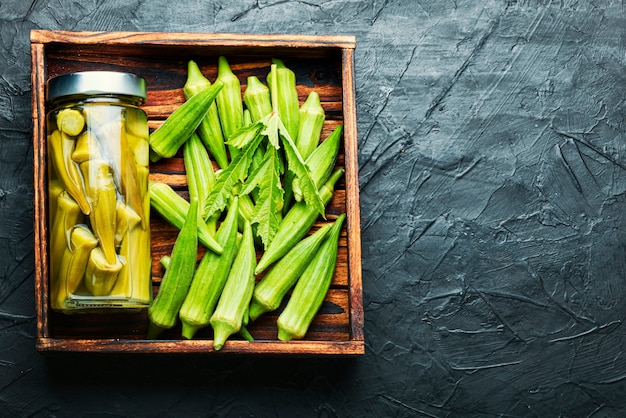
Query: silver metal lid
{"points": [[96, 83]]}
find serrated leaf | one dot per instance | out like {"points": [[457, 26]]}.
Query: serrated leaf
{"points": [[245, 135], [236, 172], [271, 130], [296, 165], [269, 203], [255, 179]]}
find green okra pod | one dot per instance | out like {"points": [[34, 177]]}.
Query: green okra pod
{"points": [[321, 161], [296, 223], [200, 174], [310, 125], [311, 288], [174, 209], [229, 102], [210, 277], [269, 292], [283, 81], [257, 99], [235, 298], [209, 130], [163, 311], [311, 122], [178, 127]]}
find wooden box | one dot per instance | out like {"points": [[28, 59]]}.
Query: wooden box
{"points": [[323, 63]]}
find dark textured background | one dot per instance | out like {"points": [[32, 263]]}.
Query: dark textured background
{"points": [[492, 154]]}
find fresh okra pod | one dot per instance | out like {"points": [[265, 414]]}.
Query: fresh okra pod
{"points": [[311, 288], [209, 130], [210, 277], [269, 292], [283, 81], [200, 175], [257, 99], [311, 122], [179, 126], [296, 223], [321, 161], [174, 209], [235, 298], [163, 311], [229, 104]]}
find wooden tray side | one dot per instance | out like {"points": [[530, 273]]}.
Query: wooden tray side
{"points": [[38, 77], [352, 198], [194, 39]]}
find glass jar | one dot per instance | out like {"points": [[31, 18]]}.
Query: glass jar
{"points": [[99, 207]]}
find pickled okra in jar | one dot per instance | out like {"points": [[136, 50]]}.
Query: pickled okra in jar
{"points": [[99, 207]]}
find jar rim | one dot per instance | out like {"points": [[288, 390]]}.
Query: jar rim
{"points": [[96, 83]]}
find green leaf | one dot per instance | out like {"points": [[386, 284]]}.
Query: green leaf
{"points": [[267, 178], [297, 165], [236, 172], [271, 130], [245, 135]]}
